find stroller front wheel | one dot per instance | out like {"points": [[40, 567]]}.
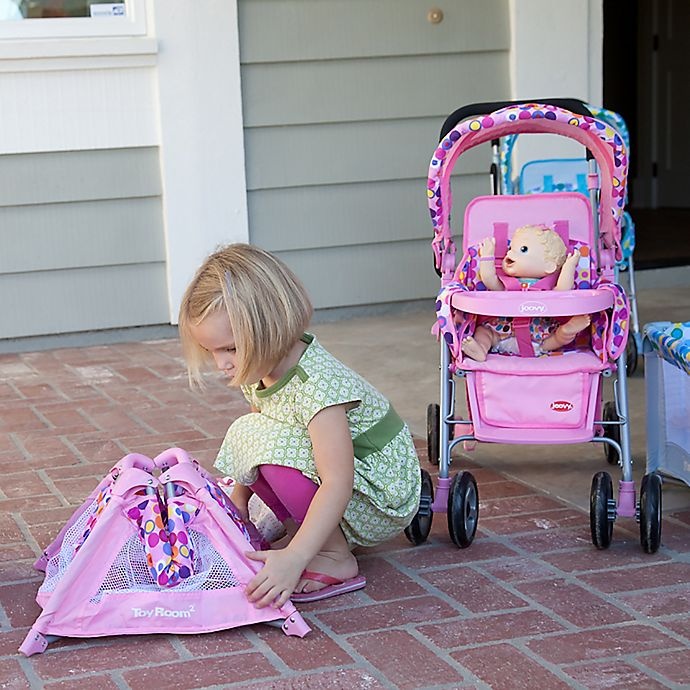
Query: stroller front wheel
{"points": [[418, 530], [602, 508], [463, 509]]}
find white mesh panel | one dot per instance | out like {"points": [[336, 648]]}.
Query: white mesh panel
{"points": [[129, 571], [59, 563]]}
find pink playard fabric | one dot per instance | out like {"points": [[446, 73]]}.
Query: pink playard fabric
{"points": [[151, 554]]}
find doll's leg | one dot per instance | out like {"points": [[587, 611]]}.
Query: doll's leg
{"points": [[566, 332], [476, 347]]}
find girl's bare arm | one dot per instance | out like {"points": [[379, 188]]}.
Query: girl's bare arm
{"points": [[334, 458]]}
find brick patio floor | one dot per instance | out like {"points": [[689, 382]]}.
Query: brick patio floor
{"points": [[531, 604]]}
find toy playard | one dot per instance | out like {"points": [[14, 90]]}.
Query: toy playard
{"points": [[157, 547]]}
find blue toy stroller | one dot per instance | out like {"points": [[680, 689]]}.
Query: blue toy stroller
{"points": [[571, 175]]}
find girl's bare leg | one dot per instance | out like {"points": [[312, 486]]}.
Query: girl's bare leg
{"points": [[334, 559]]}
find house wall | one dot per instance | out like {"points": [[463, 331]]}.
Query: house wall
{"points": [[305, 127], [122, 164], [557, 52], [81, 230], [343, 101]]}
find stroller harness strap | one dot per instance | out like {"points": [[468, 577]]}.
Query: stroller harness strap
{"points": [[523, 336]]}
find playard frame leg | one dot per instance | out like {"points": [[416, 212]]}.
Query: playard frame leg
{"points": [[295, 625], [36, 642]]}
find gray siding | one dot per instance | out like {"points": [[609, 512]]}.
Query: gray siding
{"points": [[81, 242], [343, 101]]}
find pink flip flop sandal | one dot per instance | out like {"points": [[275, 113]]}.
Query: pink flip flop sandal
{"points": [[334, 586]]}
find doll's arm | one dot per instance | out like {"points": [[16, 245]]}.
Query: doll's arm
{"points": [[566, 333], [487, 266], [566, 279]]}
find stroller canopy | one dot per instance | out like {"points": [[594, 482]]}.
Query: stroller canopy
{"points": [[605, 143]]}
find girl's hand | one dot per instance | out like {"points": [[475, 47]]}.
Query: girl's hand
{"points": [[276, 581]]}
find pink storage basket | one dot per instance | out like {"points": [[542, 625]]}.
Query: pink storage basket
{"points": [[558, 398], [157, 547]]}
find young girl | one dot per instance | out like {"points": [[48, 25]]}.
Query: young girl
{"points": [[321, 447]]}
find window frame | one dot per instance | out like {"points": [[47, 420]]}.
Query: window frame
{"points": [[133, 23]]}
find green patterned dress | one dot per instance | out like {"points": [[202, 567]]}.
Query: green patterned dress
{"points": [[387, 477]]}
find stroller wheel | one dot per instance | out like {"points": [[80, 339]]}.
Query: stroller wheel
{"points": [[602, 510], [612, 431], [463, 509], [631, 355], [433, 432], [418, 530], [650, 512]]}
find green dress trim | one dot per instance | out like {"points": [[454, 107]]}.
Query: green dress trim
{"points": [[379, 435], [287, 376]]}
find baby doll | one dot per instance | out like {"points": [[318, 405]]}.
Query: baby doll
{"points": [[536, 255]]}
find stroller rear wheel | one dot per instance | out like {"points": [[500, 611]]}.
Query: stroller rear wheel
{"points": [[650, 512], [602, 510], [463, 509], [433, 432], [611, 431], [418, 530]]}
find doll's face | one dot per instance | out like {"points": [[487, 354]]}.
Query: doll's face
{"points": [[526, 256]]}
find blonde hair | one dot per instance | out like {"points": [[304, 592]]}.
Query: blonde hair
{"points": [[554, 247], [267, 306]]}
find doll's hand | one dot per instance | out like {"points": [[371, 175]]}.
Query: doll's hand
{"points": [[276, 581], [488, 247], [566, 278], [572, 260]]}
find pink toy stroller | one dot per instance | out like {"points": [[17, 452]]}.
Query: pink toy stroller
{"points": [[151, 554], [529, 399]]}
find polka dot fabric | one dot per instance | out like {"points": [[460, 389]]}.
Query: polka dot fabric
{"points": [[606, 143], [671, 341]]}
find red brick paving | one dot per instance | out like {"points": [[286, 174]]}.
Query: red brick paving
{"points": [[530, 604]]}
